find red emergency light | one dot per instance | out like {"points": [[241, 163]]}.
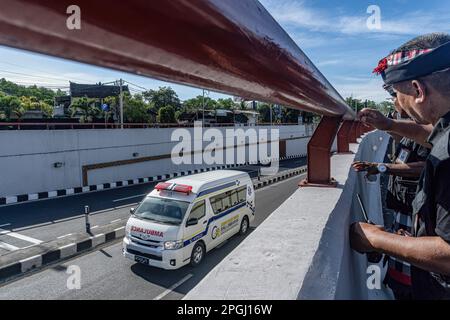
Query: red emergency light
{"points": [[182, 188], [177, 187]]}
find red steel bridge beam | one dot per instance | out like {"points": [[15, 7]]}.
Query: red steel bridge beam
{"points": [[232, 46]]}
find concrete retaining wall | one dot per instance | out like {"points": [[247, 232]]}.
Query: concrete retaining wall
{"points": [[27, 157]]}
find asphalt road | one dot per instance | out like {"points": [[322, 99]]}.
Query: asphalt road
{"points": [[106, 274], [29, 224]]}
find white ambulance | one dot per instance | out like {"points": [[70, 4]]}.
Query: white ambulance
{"points": [[183, 218]]}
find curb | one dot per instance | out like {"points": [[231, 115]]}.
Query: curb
{"points": [[285, 175], [31, 259], [18, 199], [55, 251]]}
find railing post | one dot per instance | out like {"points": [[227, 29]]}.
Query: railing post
{"points": [[353, 133], [319, 154], [344, 137]]}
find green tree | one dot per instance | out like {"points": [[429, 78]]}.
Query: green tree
{"points": [[164, 96], [227, 104], [8, 104], [166, 115], [264, 112], [136, 109], [290, 115], [86, 107], [198, 102]]}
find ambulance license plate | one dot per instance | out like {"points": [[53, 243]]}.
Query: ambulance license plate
{"points": [[141, 259]]}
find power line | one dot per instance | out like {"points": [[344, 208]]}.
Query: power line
{"points": [[138, 86], [40, 70]]}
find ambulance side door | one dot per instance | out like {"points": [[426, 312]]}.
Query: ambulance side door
{"points": [[194, 227]]}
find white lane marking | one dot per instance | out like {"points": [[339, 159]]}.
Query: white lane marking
{"points": [[94, 227], [117, 220], [8, 247], [173, 287], [21, 236], [127, 198], [66, 235]]}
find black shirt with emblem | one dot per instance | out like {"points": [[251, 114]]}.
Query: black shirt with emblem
{"points": [[431, 209], [401, 190]]}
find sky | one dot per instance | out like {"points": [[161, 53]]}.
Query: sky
{"points": [[333, 34]]}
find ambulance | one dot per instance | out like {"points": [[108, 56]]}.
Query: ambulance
{"points": [[183, 218]]}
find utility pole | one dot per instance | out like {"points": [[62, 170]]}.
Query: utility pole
{"points": [[203, 108], [121, 103], [270, 105]]}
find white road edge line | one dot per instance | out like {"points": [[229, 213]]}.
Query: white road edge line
{"points": [[8, 247], [117, 220], [173, 287], [127, 198], [66, 235], [94, 227]]}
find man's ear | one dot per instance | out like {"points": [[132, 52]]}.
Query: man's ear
{"points": [[420, 92]]}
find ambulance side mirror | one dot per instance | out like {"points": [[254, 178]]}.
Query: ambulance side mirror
{"points": [[192, 222], [132, 210]]}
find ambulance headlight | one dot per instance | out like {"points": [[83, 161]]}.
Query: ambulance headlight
{"points": [[173, 245]]}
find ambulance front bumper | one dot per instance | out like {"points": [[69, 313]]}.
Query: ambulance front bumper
{"points": [[155, 257]]}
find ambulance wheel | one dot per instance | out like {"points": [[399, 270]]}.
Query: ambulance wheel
{"points": [[197, 254], [244, 226]]}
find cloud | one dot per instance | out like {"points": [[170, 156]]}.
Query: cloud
{"points": [[298, 14], [325, 63], [360, 88]]}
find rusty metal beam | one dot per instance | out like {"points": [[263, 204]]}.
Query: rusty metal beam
{"points": [[344, 137], [353, 135], [319, 152], [232, 46]]}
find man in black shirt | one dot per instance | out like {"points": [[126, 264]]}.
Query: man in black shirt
{"points": [[404, 173], [419, 72]]}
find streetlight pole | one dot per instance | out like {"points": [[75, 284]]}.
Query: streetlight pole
{"points": [[121, 103], [203, 108]]}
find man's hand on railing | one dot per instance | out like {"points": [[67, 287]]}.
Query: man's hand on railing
{"points": [[375, 118], [361, 236]]}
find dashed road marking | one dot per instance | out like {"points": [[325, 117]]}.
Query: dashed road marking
{"points": [[64, 236], [128, 198]]}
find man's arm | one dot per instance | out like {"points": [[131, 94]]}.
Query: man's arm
{"points": [[406, 170], [404, 128], [429, 253]]}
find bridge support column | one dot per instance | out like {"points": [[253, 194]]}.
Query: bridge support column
{"points": [[344, 137], [319, 153]]}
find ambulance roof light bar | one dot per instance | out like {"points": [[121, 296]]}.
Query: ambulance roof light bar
{"points": [[174, 187]]}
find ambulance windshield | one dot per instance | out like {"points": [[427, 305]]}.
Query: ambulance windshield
{"points": [[162, 210]]}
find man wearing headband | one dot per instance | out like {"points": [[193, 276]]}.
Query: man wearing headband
{"points": [[403, 173], [419, 73]]}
